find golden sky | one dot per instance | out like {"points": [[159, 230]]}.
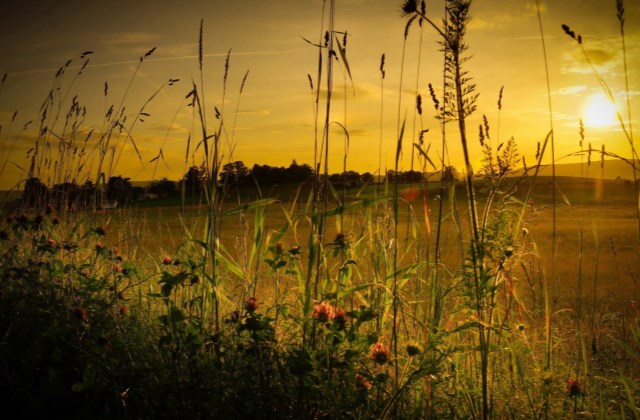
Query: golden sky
{"points": [[272, 122]]}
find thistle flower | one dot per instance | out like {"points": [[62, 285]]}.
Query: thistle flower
{"points": [[379, 353], [52, 242], [99, 247], [167, 260], [323, 312]]}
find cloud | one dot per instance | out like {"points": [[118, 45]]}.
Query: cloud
{"points": [[570, 90], [166, 127], [259, 112], [129, 38]]}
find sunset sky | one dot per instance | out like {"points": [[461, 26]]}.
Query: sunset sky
{"points": [[273, 118]]}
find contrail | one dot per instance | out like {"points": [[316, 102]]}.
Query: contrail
{"points": [[183, 57]]}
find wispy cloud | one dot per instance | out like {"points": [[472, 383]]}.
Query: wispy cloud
{"points": [[129, 38], [570, 90]]}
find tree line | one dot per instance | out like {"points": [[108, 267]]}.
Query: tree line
{"points": [[233, 175]]}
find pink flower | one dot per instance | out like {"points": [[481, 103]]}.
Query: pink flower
{"points": [[323, 312], [167, 260], [117, 268], [52, 242]]}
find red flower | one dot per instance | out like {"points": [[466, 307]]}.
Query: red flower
{"points": [[52, 242], [117, 268], [167, 260], [251, 305], [99, 247], [340, 318], [574, 388], [81, 313], [379, 353], [323, 312], [362, 381]]}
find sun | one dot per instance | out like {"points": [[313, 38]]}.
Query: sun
{"points": [[599, 111]]}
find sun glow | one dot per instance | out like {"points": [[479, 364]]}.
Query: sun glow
{"points": [[599, 111]]}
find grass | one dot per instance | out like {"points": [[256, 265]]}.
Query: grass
{"points": [[307, 302]]}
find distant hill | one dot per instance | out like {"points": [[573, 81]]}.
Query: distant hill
{"points": [[612, 169]]}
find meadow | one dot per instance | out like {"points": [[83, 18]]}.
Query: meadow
{"points": [[495, 294]]}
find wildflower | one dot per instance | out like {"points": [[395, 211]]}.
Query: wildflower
{"points": [[81, 313], [279, 249], [323, 312], [234, 317], [115, 250], [167, 260], [574, 388], [51, 242], [117, 268], [124, 310], [379, 353], [100, 231], [362, 381], [99, 247], [508, 252], [295, 250], [413, 349], [251, 305], [340, 318]]}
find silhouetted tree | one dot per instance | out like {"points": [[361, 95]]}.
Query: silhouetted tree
{"points": [[234, 174], [194, 180], [35, 193], [119, 188], [163, 188], [299, 173]]}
